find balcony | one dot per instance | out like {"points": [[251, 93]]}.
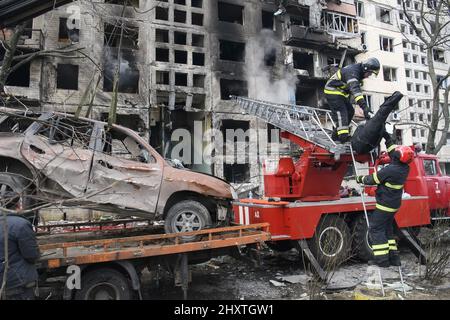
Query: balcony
{"points": [[31, 40], [305, 36]]}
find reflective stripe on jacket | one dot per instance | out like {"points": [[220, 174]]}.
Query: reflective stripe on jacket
{"points": [[390, 181], [346, 81]]}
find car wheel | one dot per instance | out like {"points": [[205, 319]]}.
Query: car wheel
{"points": [[15, 193], [104, 284], [361, 243], [331, 242], [187, 216]]}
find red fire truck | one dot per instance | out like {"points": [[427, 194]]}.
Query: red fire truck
{"points": [[302, 201]]}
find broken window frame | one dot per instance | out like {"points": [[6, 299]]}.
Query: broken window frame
{"points": [[225, 7], [198, 40], [338, 22], [384, 15], [181, 79], [180, 54], [162, 35], [232, 50], [388, 46], [180, 35], [439, 55], [197, 4], [62, 78], [389, 74], [232, 87], [21, 77], [198, 80], [265, 17], [65, 34], [162, 77], [197, 19], [158, 55], [179, 16], [133, 72], [359, 6], [162, 12], [198, 58]]}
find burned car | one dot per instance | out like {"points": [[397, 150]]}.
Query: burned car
{"points": [[57, 159]]}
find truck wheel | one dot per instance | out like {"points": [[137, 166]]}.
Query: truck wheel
{"points": [[361, 244], [331, 242], [14, 194], [104, 284], [187, 216]]}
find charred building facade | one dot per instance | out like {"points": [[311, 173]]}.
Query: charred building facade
{"points": [[175, 63]]}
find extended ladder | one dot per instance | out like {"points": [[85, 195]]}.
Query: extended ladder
{"points": [[305, 122]]}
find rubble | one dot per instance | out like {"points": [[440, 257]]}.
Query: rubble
{"points": [[301, 278], [276, 283]]}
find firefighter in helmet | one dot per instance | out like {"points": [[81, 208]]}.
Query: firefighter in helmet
{"points": [[389, 181], [345, 82]]}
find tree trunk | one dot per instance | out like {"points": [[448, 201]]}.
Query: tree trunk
{"points": [[443, 139], [9, 55]]}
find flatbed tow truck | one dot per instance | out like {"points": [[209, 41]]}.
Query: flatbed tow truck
{"points": [[107, 261]]}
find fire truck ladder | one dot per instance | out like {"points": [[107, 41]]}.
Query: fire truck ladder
{"points": [[306, 122]]}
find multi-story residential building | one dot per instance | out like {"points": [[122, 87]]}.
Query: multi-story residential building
{"points": [[387, 36], [180, 60]]}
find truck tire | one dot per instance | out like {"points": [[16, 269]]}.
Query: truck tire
{"points": [[361, 245], [331, 242], [187, 216], [104, 284], [14, 194]]}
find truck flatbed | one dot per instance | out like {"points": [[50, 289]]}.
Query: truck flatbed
{"points": [[60, 254]]}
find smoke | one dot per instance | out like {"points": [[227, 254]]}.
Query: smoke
{"points": [[129, 74], [275, 84]]}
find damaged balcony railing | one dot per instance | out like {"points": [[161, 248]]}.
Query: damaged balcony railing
{"points": [[306, 122], [32, 39]]}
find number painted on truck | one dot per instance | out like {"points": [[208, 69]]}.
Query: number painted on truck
{"points": [[437, 187]]}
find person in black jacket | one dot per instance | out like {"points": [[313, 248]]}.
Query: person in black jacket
{"points": [[345, 82], [389, 181], [23, 252], [368, 136]]}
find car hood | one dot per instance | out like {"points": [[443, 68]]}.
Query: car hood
{"points": [[198, 182]]}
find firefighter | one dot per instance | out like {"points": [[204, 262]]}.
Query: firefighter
{"points": [[389, 181], [345, 82]]}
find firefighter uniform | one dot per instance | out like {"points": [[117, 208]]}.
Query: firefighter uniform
{"points": [[345, 82], [389, 181]]}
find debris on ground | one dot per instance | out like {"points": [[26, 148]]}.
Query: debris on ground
{"points": [[277, 284]]}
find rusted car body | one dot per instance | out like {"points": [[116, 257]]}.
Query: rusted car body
{"points": [[85, 163]]}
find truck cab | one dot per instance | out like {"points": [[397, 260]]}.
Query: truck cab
{"points": [[425, 179]]}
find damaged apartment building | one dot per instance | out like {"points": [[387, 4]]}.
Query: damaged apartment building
{"points": [[180, 60]]}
